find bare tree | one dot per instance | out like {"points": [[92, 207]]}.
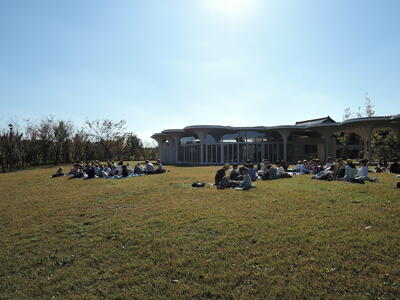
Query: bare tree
{"points": [[369, 108], [107, 133]]}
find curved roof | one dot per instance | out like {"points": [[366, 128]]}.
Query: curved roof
{"points": [[319, 123]]}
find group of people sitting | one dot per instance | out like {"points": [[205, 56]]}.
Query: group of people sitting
{"points": [[348, 172], [111, 169], [331, 170], [383, 166], [244, 176]]}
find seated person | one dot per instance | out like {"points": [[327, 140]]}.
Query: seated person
{"points": [[129, 168], [139, 169], [221, 174], [382, 166], [74, 171], [273, 172], [119, 167], [234, 173], [266, 173], [159, 167], [298, 167], [106, 171], [90, 172], [304, 168], [340, 168], [246, 182], [113, 171], [252, 172], [329, 162], [350, 172], [149, 168], [363, 171], [241, 170], [124, 172], [59, 173], [395, 166], [280, 171]]}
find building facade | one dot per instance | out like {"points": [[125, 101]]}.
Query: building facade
{"points": [[208, 144]]}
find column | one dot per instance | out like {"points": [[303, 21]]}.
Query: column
{"points": [[367, 142], [285, 135], [222, 152]]}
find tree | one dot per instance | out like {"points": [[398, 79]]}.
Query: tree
{"points": [[107, 133], [134, 146], [62, 133], [368, 109], [387, 145]]}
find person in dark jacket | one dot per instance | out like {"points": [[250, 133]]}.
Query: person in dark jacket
{"points": [[395, 166], [221, 174]]}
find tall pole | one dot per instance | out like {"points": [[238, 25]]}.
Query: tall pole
{"points": [[10, 147]]}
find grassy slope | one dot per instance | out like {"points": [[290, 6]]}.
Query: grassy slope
{"points": [[157, 237]]}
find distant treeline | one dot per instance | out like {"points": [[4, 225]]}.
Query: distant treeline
{"points": [[51, 141]]}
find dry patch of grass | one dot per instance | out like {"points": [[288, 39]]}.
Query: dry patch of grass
{"points": [[157, 237]]}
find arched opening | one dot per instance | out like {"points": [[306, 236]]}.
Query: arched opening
{"points": [[349, 145]]}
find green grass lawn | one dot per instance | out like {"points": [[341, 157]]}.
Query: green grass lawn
{"points": [[156, 237]]}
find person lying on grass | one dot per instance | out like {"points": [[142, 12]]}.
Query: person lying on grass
{"points": [[327, 174]]}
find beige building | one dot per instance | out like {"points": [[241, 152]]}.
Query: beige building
{"points": [[208, 144]]}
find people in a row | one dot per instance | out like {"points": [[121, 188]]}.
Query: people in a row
{"points": [[96, 169], [331, 170], [346, 172]]}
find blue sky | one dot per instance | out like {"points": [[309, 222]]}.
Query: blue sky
{"points": [[168, 64]]}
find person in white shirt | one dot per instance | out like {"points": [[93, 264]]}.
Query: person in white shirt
{"points": [[138, 169], [329, 163], [279, 169], [119, 167], [363, 171], [351, 171], [149, 168]]}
